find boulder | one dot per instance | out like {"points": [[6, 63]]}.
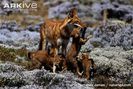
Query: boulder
{"points": [[114, 62]]}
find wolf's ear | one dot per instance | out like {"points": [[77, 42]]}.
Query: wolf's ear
{"points": [[30, 54], [73, 12]]}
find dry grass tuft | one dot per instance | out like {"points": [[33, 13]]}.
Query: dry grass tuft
{"points": [[9, 54]]}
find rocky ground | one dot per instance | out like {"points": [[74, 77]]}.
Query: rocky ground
{"points": [[114, 62], [11, 34], [14, 77], [111, 45]]}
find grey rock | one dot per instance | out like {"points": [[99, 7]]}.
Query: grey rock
{"points": [[31, 87], [111, 35], [115, 62], [63, 8], [11, 34], [115, 10], [14, 76]]}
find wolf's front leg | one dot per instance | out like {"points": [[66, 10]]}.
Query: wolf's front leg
{"points": [[54, 67]]}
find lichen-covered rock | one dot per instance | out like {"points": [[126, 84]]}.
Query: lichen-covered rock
{"points": [[11, 34], [16, 77], [114, 10], [63, 8], [115, 62], [11, 75], [111, 35]]}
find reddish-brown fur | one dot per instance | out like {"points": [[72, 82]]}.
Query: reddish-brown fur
{"points": [[73, 50], [50, 31], [42, 58], [87, 64], [53, 30]]}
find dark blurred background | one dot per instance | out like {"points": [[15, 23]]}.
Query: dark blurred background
{"points": [[88, 10]]}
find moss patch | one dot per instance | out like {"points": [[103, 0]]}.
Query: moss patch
{"points": [[9, 54]]}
